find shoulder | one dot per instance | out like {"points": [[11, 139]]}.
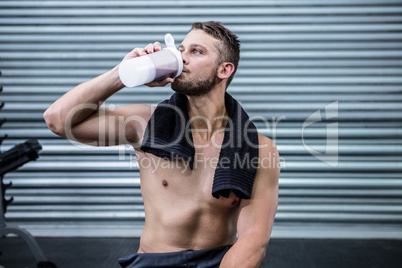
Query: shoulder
{"points": [[265, 142], [269, 161], [266, 147]]}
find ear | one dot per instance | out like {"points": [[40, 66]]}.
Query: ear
{"points": [[225, 70]]}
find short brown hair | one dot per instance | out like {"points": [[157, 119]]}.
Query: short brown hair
{"points": [[229, 48]]}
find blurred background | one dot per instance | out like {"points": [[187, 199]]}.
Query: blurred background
{"points": [[320, 78]]}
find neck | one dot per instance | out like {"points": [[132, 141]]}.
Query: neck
{"points": [[207, 113]]}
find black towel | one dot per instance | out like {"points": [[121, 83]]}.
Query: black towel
{"points": [[168, 135]]}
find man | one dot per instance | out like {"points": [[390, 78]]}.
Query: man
{"points": [[185, 225]]}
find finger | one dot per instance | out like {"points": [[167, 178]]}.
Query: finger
{"points": [[157, 46], [136, 52], [161, 83], [130, 55], [169, 80], [139, 51], [150, 48], [166, 81]]}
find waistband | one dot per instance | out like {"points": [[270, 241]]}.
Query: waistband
{"points": [[205, 258]]}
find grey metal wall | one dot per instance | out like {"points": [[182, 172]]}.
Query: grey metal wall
{"points": [[340, 58]]}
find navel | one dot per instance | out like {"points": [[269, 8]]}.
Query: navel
{"points": [[164, 183]]}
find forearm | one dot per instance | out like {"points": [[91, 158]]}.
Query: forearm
{"points": [[82, 101], [247, 252]]}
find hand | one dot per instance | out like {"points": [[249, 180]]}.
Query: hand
{"points": [[150, 48]]}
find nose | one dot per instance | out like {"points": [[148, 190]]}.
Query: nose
{"points": [[184, 56]]}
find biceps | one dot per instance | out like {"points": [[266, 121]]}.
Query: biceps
{"points": [[95, 130], [106, 128]]}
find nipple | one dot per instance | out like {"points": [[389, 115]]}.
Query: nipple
{"points": [[164, 183]]}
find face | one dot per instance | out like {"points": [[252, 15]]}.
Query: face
{"points": [[200, 55]]}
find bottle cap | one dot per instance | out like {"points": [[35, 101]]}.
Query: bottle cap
{"points": [[169, 41]]}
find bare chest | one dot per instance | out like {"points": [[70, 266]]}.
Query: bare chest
{"points": [[175, 181]]}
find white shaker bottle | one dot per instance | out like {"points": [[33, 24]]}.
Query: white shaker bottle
{"points": [[152, 67]]}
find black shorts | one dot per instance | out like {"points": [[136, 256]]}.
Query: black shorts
{"points": [[205, 258]]}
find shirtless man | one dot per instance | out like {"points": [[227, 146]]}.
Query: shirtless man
{"points": [[183, 219]]}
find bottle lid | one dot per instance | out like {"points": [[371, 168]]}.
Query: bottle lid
{"points": [[169, 41]]}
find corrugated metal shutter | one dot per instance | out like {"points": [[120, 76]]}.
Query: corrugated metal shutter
{"points": [[340, 58]]}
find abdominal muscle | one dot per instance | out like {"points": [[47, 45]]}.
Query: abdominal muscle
{"points": [[181, 213], [178, 232]]}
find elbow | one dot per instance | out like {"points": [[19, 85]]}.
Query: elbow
{"points": [[53, 121]]}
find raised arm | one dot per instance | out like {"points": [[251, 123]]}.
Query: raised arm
{"points": [[77, 115], [256, 215]]}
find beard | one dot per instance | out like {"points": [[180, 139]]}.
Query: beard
{"points": [[191, 87]]}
